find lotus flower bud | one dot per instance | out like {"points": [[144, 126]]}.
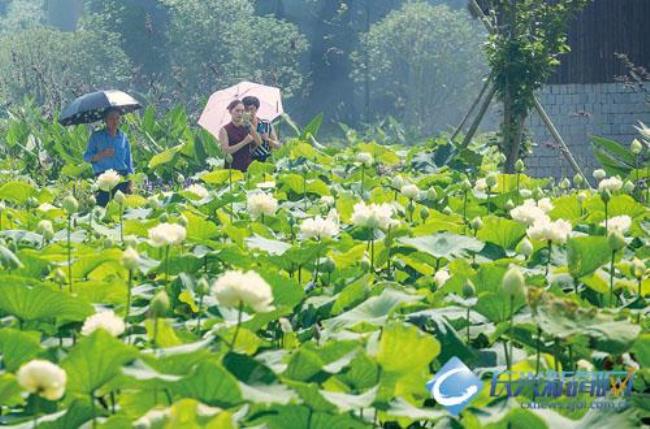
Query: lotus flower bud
{"points": [[183, 221], [606, 196], [628, 187], [520, 166], [565, 184], [525, 247], [514, 282], [491, 180], [538, 194], [59, 276], [130, 259], [365, 263], [636, 147], [159, 304], [228, 158], [180, 178], [578, 180], [599, 174], [163, 218], [468, 289], [638, 268], [46, 229], [525, 193], [424, 213], [509, 205], [466, 185], [397, 182], [32, 202], [285, 325], [328, 265], [119, 197], [202, 286], [92, 201], [432, 194], [70, 204], [582, 197], [615, 240], [447, 210], [476, 223]]}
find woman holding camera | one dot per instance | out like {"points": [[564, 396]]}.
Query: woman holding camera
{"points": [[239, 137]]}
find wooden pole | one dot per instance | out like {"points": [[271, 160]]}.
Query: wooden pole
{"points": [[471, 110], [479, 116]]}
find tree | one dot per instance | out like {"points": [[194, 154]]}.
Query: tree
{"points": [[216, 43], [523, 52], [52, 66], [22, 14], [423, 60]]}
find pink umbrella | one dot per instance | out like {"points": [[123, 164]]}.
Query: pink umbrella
{"points": [[215, 115]]}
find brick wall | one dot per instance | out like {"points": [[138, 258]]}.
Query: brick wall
{"points": [[579, 111]]}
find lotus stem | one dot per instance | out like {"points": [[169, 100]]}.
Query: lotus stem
{"points": [[240, 309]]}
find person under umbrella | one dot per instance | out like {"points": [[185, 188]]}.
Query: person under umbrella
{"points": [[109, 149], [237, 138], [264, 129]]}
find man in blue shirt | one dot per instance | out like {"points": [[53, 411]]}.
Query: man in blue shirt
{"points": [[108, 149]]}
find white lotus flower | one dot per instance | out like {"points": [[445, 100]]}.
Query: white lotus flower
{"points": [[319, 227], [441, 277], [643, 130], [266, 185], [373, 216], [45, 207], [410, 191], [43, 378], [108, 180], [167, 234], [197, 190], [619, 224], [327, 200], [528, 212], [364, 158], [611, 184], [250, 289], [544, 229], [261, 203], [545, 204], [481, 185], [106, 320]]}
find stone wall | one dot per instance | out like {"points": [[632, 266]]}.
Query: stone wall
{"points": [[579, 111]]}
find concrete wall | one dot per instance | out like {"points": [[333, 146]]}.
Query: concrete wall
{"points": [[579, 111]]}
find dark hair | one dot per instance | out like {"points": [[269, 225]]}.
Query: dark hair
{"points": [[233, 104], [110, 110], [250, 100]]}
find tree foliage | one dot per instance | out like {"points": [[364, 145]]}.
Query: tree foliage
{"points": [[421, 60]]}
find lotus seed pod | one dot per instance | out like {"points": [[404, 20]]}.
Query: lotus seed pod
{"points": [[638, 268], [606, 196], [476, 223], [520, 166], [636, 147], [578, 180], [424, 213], [159, 304], [119, 197], [130, 259], [70, 204], [565, 184], [447, 210], [432, 194], [328, 265], [514, 282], [615, 240], [599, 174], [468, 289], [491, 180], [202, 286], [163, 218], [525, 247], [628, 187], [509, 205]]}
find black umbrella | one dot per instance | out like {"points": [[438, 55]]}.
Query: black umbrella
{"points": [[91, 107]]}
